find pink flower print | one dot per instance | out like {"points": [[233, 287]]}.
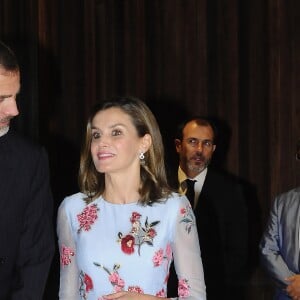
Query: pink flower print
{"points": [[121, 283], [135, 289], [187, 217], [158, 257], [87, 217], [65, 257], [183, 288], [113, 276], [117, 289], [115, 280], [135, 216], [161, 293], [169, 252]]}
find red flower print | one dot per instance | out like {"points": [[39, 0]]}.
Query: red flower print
{"points": [[87, 217], [135, 216], [135, 289], [183, 211], [88, 283], [151, 233], [138, 234], [183, 288], [127, 244], [161, 294], [65, 258]]}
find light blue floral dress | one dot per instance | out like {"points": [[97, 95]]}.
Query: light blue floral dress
{"points": [[106, 248]]}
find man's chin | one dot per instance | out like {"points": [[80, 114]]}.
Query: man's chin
{"points": [[3, 130], [196, 169]]}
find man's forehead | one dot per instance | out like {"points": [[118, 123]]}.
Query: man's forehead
{"points": [[9, 82], [196, 129]]}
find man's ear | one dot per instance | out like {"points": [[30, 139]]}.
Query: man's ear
{"points": [[177, 145]]}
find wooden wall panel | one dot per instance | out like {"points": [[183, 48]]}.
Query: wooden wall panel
{"points": [[237, 61]]}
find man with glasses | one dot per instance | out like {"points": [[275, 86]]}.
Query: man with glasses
{"points": [[220, 210]]}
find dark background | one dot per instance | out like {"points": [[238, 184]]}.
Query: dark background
{"points": [[236, 61]]}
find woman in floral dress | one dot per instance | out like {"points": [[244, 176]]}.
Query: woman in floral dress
{"points": [[118, 236]]}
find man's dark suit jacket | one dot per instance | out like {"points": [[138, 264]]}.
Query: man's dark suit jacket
{"points": [[26, 231], [222, 223]]}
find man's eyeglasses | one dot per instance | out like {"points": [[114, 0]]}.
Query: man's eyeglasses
{"points": [[193, 142]]}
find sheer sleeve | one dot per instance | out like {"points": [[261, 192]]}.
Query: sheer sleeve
{"points": [[69, 273], [187, 255]]}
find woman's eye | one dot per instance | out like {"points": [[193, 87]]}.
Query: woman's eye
{"points": [[95, 135], [116, 132]]}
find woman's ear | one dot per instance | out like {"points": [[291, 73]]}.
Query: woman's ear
{"points": [[146, 142]]}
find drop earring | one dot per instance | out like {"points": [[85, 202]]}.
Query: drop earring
{"points": [[142, 158]]}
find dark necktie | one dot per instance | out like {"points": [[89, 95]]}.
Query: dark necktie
{"points": [[190, 192]]}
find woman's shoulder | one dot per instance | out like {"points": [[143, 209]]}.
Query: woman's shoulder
{"points": [[73, 201], [176, 200]]}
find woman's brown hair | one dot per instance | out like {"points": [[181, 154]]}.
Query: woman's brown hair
{"points": [[154, 186]]}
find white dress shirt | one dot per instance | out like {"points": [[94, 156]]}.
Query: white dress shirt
{"points": [[198, 184]]}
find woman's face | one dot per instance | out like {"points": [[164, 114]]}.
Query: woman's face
{"points": [[115, 145]]}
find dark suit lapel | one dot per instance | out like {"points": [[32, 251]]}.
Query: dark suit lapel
{"points": [[7, 175]]}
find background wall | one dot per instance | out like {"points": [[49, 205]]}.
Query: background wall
{"points": [[237, 61]]}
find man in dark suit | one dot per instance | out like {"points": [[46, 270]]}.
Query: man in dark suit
{"points": [[26, 231], [220, 210]]}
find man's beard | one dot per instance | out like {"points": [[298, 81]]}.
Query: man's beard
{"points": [[4, 130], [197, 168]]}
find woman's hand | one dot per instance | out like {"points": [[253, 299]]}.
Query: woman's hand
{"points": [[130, 296]]}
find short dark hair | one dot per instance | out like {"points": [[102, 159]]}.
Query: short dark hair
{"points": [[201, 121], [8, 60]]}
